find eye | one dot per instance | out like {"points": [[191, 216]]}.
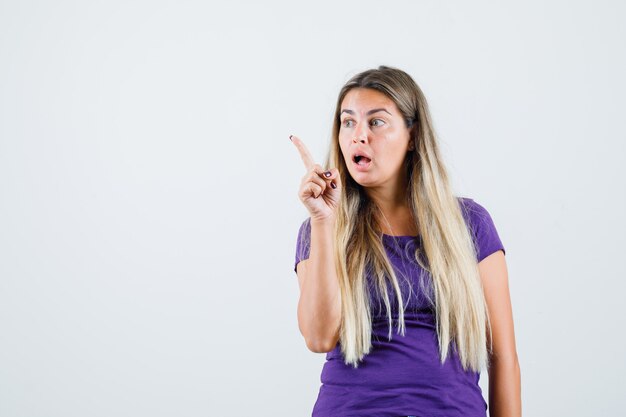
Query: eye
{"points": [[381, 122], [346, 122]]}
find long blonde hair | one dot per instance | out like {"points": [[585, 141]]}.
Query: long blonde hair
{"points": [[450, 254]]}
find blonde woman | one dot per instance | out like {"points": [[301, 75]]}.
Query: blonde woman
{"points": [[402, 284]]}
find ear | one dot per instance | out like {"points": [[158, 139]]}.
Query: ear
{"points": [[412, 136]]}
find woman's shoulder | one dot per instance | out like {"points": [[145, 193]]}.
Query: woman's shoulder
{"points": [[482, 226], [473, 211], [468, 203]]}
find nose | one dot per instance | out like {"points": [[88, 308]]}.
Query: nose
{"points": [[360, 134]]}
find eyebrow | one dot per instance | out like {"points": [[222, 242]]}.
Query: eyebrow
{"points": [[368, 113]]}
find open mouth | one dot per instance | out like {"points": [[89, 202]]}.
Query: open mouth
{"points": [[362, 160]]}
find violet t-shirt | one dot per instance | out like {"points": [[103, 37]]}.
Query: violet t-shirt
{"points": [[403, 376]]}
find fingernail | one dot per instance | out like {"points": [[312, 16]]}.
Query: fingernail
{"points": [[327, 173], [332, 184]]}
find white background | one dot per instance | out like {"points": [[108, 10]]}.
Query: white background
{"points": [[148, 191]]}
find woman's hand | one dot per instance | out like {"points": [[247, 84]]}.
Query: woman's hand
{"points": [[316, 184]]}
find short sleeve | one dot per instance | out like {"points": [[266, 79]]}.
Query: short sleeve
{"points": [[484, 233], [303, 244]]}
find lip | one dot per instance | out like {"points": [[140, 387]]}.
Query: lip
{"points": [[362, 168], [359, 152]]}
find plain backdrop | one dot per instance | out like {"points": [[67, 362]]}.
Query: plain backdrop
{"points": [[148, 191]]}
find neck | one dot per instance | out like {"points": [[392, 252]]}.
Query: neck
{"points": [[391, 199]]}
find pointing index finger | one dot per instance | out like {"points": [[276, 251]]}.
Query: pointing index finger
{"points": [[306, 156]]}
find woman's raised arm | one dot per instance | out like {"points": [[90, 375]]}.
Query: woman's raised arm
{"points": [[319, 307]]}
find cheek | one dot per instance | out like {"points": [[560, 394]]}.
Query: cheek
{"points": [[388, 157], [343, 139]]}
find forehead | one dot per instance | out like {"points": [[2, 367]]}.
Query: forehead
{"points": [[363, 99]]}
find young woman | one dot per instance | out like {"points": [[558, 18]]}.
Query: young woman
{"points": [[388, 241]]}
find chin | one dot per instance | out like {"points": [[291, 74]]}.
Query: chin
{"points": [[362, 182]]}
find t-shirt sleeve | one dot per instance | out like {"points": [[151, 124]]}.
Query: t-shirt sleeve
{"points": [[303, 244], [485, 235]]}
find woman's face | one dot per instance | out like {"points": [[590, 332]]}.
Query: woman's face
{"points": [[372, 125]]}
